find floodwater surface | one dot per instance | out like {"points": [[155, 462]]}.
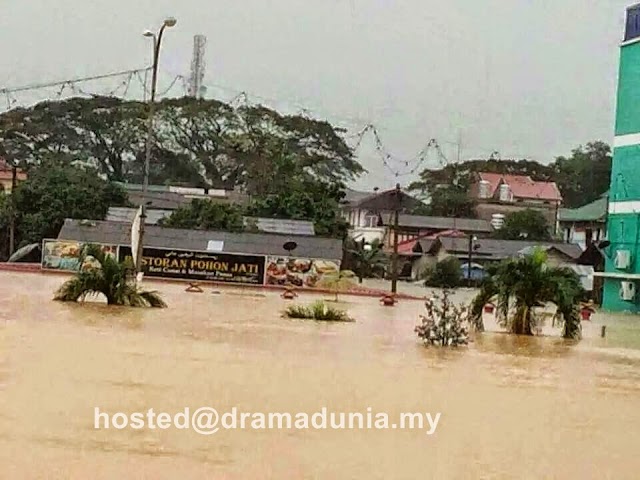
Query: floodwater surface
{"points": [[511, 408]]}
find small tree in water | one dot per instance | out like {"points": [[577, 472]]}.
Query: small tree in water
{"points": [[521, 285], [444, 324]]}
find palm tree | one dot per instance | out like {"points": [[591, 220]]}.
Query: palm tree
{"points": [[366, 259], [338, 282], [521, 285], [101, 273]]}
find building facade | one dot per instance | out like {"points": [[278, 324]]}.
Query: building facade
{"points": [[362, 211], [7, 176], [498, 195], [622, 261], [585, 225]]}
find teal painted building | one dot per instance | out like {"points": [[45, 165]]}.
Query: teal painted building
{"points": [[622, 269]]}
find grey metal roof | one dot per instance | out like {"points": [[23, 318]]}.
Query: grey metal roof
{"points": [[501, 249], [119, 233], [277, 225], [158, 200], [438, 223], [165, 197], [123, 214], [354, 196], [387, 201]]}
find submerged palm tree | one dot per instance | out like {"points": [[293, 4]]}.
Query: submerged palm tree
{"points": [[101, 273], [522, 285], [368, 260]]}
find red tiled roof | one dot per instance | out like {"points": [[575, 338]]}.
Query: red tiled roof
{"points": [[522, 186]]}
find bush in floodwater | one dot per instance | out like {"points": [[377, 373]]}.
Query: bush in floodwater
{"points": [[317, 311], [445, 324]]}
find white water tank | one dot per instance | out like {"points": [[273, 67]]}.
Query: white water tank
{"points": [[497, 221], [505, 193], [483, 189]]}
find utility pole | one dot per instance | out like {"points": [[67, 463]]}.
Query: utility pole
{"points": [[469, 260], [396, 223], [12, 225]]}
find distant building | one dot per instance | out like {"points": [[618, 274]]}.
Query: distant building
{"points": [[6, 176], [256, 224], [119, 233], [362, 211], [413, 227], [167, 197], [498, 195], [427, 252], [585, 225]]}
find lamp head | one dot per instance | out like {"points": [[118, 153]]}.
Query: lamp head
{"points": [[170, 22], [148, 33]]}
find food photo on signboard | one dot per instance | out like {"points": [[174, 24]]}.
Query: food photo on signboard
{"points": [[299, 272], [65, 255]]}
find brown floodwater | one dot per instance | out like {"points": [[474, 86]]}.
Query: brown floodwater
{"points": [[512, 408]]}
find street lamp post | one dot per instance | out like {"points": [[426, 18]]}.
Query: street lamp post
{"points": [[472, 246], [396, 226], [157, 42]]}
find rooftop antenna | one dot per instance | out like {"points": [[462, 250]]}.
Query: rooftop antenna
{"points": [[196, 79]]}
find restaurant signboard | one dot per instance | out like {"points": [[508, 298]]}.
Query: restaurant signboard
{"points": [[193, 265]]}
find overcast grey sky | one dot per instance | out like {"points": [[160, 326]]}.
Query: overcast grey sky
{"points": [[527, 78]]}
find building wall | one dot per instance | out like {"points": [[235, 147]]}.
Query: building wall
{"points": [[623, 227], [624, 234], [577, 233], [360, 218]]}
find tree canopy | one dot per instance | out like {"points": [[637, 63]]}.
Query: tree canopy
{"points": [[206, 215], [55, 190], [526, 224], [582, 178], [196, 142]]}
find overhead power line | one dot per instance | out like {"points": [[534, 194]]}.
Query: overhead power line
{"points": [[396, 166], [39, 86]]}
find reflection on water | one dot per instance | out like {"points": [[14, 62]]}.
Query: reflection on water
{"points": [[521, 408]]}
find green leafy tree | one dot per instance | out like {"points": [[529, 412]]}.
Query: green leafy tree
{"points": [[206, 215], [582, 177], [102, 274], [445, 274], [525, 224], [445, 323], [57, 190], [585, 175], [519, 286], [448, 201], [366, 260], [195, 142], [307, 200]]}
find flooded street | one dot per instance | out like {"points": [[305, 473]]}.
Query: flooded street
{"points": [[512, 408]]}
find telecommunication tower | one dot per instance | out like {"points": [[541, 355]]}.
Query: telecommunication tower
{"points": [[196, 79]]}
